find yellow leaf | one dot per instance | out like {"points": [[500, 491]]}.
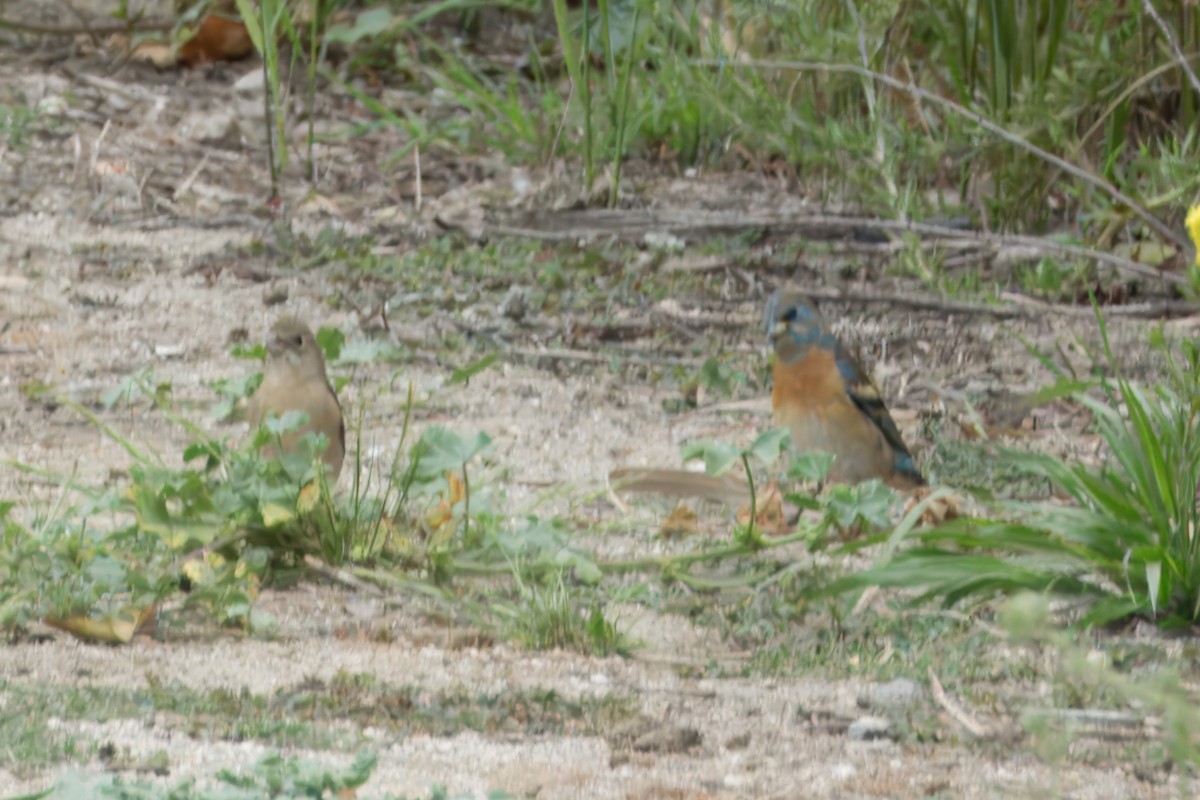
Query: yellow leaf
{"points": [[439, 515], [458, 489], [195, 570], [274, 514], [309, 496], [116, 629]]}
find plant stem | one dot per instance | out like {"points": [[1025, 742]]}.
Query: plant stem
{"points": [[753, 498], [623, 109], [585, 88], [571, 56], [466, 505]]}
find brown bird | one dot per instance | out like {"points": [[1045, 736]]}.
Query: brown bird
{"points": [[828, 402], [825, 400], [294, 380]]}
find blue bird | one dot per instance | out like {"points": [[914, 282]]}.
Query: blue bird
{"points": [[828, 403]]}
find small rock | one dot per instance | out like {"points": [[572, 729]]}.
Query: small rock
{"points": [[661, 240], [52, 106], [364, 608], [898, 695], [739, 742], [515, 304], [208, 125], [869, 729], [251, 83], [667, 739], [274, 295]]}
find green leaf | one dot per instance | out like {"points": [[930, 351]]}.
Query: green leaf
{"points": [[257, 352], [196, 450], [261, 621], [1064, 387], [368, 24], [1153, 583], [331, 342], [870, 503], [250, 20], [367, 351], [811, 465], [718, 456], [587, 572], [440, 449], [1024, 615], [290, 420], [768, 446], [464, 374]]}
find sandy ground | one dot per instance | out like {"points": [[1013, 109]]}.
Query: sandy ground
{"points": [[145, 176]]}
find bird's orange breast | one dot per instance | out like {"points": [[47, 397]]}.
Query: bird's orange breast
{"points": [[811, 400], [809, 383]]}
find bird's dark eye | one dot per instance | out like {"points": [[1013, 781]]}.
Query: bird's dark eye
{"points": [[299, 341], [789, 315]]}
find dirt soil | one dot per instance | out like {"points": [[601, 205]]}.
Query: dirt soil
{"points": [[120, 224]]}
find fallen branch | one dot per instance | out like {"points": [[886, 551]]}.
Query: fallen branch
{"points": [[139, 26], [573, 226], [952, 708], [1022, 307]]}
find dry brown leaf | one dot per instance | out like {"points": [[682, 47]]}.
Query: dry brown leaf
{"points": [[941, 510], [680, 522], [160, 54], [768, 510], [319, 204], [217, 39]]}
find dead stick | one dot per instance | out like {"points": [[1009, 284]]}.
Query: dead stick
{"points": [[84, 30], [954, 709]]}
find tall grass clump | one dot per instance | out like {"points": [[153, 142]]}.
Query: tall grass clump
{"points": [[1119, 539]]}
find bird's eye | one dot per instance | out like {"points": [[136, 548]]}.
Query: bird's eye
{"points": [[299, 340], [790, 314]]}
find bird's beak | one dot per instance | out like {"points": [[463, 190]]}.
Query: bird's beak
{"points": [[275, 345]]}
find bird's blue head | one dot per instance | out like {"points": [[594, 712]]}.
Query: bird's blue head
{"points": [[793, 326]]}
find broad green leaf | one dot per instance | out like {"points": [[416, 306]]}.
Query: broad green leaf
{"points": [[718, 457], [331, 341], [811, 465], [367, 351], [367, 24], [440, 449], [767, 447], [285, 423]]}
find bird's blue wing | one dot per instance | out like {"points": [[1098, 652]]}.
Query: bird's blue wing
{"points": [[866, 397]]}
